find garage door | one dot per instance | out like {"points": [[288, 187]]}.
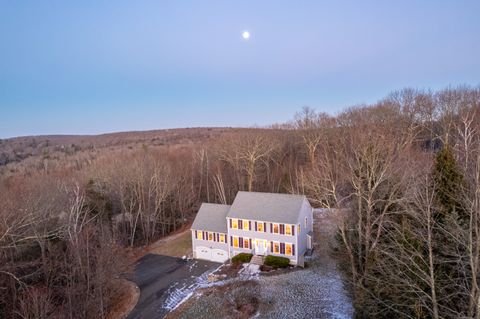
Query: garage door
{"points": [[204, 253], [219, 255]]}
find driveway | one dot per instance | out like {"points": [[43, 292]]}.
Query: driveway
{"points": [[165, 281]]}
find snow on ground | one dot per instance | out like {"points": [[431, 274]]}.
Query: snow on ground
{"points": [[249, 271], [314, 292], [179, 292]]}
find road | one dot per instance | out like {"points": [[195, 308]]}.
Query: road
{"points": [[164, 281]]}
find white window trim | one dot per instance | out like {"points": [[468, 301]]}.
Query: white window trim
{"points": [[291, 249], [233, 242], [275, 243], [263, 228], [273, 228], [288, 225]]}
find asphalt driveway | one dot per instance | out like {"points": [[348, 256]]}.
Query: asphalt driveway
{"points": [[164, 281]]}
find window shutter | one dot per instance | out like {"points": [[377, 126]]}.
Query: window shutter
{"points": [[196, 235], [293, 230], [204, 233], [218, 237], [255, 226], [282, 229], [240, 242], [271, 227], [271, 246], [230, 220], [250, 242], [265, 226], [293, 249], [282, 248], [249, 225], [240, 224], [231, 241]]}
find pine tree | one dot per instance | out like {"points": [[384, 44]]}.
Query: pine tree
{"points": [[449, 183]]}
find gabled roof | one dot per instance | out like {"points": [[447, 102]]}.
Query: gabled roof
{"points": [[212, 217], [270, 207]]}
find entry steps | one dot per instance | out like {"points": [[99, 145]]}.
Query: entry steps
{"points": [[257, 260]]}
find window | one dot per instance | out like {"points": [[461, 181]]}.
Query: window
{"points": [[276, 228], [288, 249], [298, 230], [260, 227], [276, 248], [199, 235], [288, 229], [235, 223], [210, 236], [245, 225], [306, 222], [235, 242], [245, 243], [222, 238]]}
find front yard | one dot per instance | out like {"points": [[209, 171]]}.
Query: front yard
{"points": [[314, 292]]}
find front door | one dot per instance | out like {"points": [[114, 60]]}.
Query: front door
{"points": [[260, 247]]}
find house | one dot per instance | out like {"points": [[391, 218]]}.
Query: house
{"points": [[256, 223]]}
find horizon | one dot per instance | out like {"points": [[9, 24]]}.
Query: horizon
{"points": [[90, 69]]}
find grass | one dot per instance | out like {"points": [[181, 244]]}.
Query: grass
{"points": [[176, 245]]}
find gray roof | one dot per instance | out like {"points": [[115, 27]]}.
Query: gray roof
{"points": [[280, 208], [211, 217]]}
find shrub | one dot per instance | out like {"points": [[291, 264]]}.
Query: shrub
{"points": [[276, 262], [241, 258]]}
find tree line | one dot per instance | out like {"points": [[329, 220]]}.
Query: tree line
{"points": [[404, 173]]}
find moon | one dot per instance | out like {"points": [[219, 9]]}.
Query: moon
{"points": [[246, 35]]}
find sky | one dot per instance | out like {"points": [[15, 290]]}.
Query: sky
{"points": [[89, 67]]}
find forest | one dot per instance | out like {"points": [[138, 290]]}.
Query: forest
{"points": [[404, 172]]}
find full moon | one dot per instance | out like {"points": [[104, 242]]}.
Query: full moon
{"points": [[246, 35]]}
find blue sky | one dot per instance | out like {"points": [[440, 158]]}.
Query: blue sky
{"points": [[101, 66]]}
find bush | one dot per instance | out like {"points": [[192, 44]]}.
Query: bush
{"points": [[241, 258], [276, 262]]}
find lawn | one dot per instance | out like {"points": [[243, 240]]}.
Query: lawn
{"points": [[176, 245]]}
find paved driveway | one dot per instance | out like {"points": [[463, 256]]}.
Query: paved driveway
{"points": [[164, 281]]}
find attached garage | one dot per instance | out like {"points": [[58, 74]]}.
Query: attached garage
{"points": [[204, 253], [217, 255]]}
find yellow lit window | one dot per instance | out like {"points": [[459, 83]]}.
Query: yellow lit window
{"points": [[260, 227], [288, 229], [210, 236], [235, 223], [235, 242], [222, 238], [199, 235], [245, 225], [276, 248], [288, 249], [298, 230], [276, 228], [246, 243]]}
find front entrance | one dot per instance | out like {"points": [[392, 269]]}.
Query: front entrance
{"points": [[260, 246]]}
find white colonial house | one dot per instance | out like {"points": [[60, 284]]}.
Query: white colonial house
{"points": [[257, 223]]}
